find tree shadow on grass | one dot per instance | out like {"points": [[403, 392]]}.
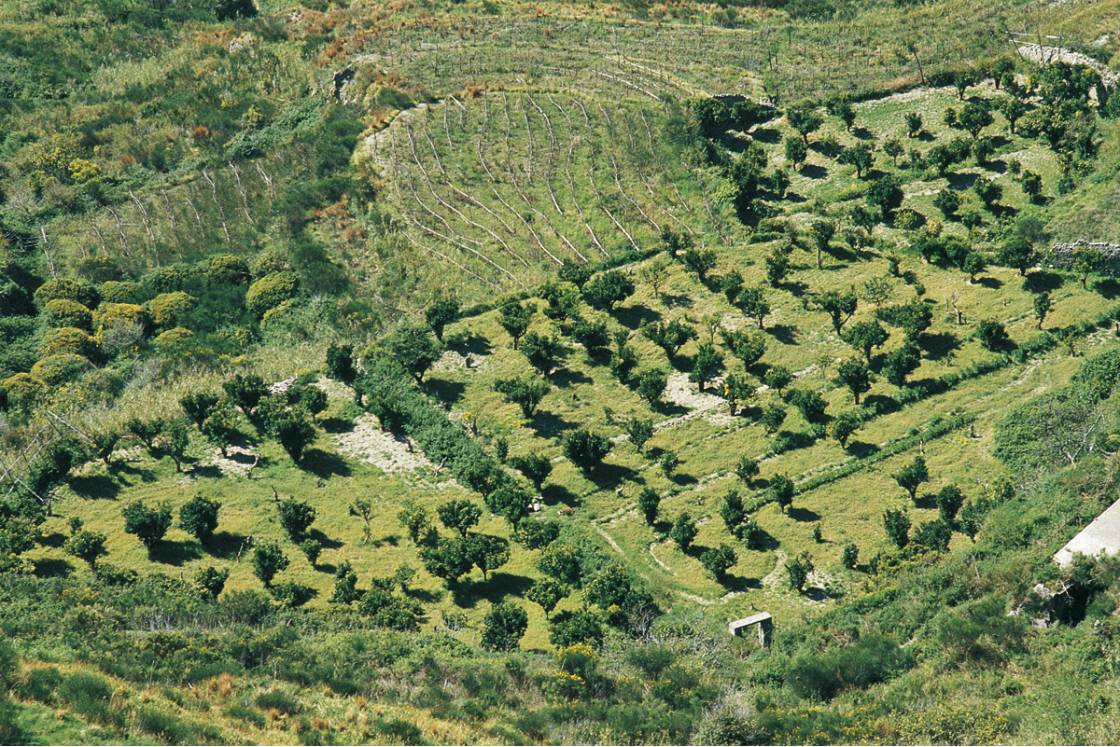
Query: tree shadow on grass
{"points": [[990, 283], [469, 343], [327, 543], [802, 514], [862, 133], [812, 171], [1042, 281], [428, 596], [861, 449], [205, 470], [323, 464], [783, 333], [676, 300], [227, 544], [123, 468], [607, 476], [961, 181], [566, 377], [672, 409], [1109, 288], [54, 539], [99, 487], [52, 568], [732, 582], [175, 553], [938, 345], [880, 404], [635, 315], [769, 135], [553, 494], [446, 391], [337, 425], [548, 424], [389, 540], [682, 479], [763, 541], [493, 589]]}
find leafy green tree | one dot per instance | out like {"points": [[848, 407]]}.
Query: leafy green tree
{"points": [[586, 449], [992, 335], [608, 289], [865, 336], [718, 560], [736, 389], [104, 444], [948, 203], [576, 274], [893, 148], [699, 261], [974, 117], [810, 404], [850, 557], [753, 303], [246, 391], [949, 502], [526, 393], [440, 313], [577, 626], [669, 336], [796, 150], [777, 265], [839, 305], [885, 194], [973, 264], [858, 156], [345, 584], [1031, 184], [911, 476], [897, 525], [515, 319], [362, 508], [486, 551], [415, 521], [844, 111], [683, 531], [86, 545], [592, 334], [535, 467], [854, 374], [148, 524], [988, 191], [296, 517], [933, 535], [268, 560], [773, 415], [1042, 306], [199, 517], [311, 548], [447, 559], [198, 405], [509, 501], [913, 124], [295, 434], [503, 627], [805, 119], [706, 365], [777, 378], [340, 363], [210, 581], [962, 79], [746, 469], [546, 593], [542, 351], [459, 515], [669, 462], [175, 444], [220, 427], [639, 430], [1086, 261], [413, 349], [732, 511], [648, 503], [971, 519], [798, 570], [781, 492], [746, 347], [843, 426]]}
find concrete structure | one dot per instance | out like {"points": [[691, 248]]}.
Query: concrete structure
{"points": [[1102, 536], [763, 620]]}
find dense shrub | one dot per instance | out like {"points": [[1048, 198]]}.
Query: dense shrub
{"points": [[270, 291], [61, 368], [71, 289], [873, 658], [62, 312]]}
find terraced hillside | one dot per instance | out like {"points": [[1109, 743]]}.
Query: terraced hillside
{"points": [[456, 372]]}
